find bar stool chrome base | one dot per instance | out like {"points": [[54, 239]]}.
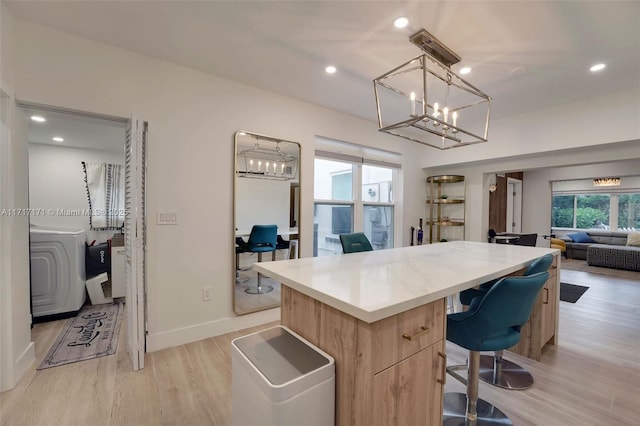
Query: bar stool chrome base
{"points": [[455, 412], [503, 373], [259, 288]]}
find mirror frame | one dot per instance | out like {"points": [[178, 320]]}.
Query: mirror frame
{"points": [[235, 199]]}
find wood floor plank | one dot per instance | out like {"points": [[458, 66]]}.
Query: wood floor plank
{"points": [[180, 389], [136, 397], [91, 391], [215, 378]]}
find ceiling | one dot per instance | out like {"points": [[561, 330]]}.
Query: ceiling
{"points": [[526, 55], [78, 131]]}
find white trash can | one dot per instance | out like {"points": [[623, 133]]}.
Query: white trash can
{"points": [[280, 379]]}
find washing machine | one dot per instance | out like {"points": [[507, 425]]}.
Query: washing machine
{"points": [[57, 270]]}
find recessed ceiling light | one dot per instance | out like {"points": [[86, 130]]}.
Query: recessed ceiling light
{"points": [[38, 118], [330, 69], [401, 22], [597, 67], [465, 70], [58, 139]]}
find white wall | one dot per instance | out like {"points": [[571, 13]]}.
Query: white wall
{"points": [[627, 184], [56, 182], [192, 119], [537, 188], [592, 122], [262, 202], [16, 349]]}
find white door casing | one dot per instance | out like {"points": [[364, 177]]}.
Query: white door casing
{"points": [[135, 241], [514, 205]]}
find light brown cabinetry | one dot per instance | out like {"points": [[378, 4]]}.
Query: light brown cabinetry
{"points": [[549, 310], [410, 392], [542, 327], [446, 208], [387, 372]]}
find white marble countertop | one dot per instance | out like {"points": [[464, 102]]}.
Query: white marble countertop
{"points": [[378, 284]]}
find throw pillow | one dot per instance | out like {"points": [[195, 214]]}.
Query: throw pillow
{"points": [[633, 239], [581, 237]]}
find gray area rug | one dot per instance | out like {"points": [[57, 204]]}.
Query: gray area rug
{"points": [[582, 265], [91, 334]]}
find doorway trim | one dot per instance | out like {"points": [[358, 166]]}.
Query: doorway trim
{"points": [[136, 286], [514, 205]]}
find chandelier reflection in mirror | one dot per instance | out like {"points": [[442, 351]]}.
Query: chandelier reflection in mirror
{"points": [[262, 157], [423, 100]]}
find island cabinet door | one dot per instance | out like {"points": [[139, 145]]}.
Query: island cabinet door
{"points": [[410, 392]]}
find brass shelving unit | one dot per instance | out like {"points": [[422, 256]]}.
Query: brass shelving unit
{"points": [[441, 203]]}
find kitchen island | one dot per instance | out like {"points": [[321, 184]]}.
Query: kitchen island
{"points": [[382, 316]]}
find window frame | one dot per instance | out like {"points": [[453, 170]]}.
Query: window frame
{"points": [[357, 203], [614, 200]]}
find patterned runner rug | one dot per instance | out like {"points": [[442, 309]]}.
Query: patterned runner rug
{"points": [[91, 334]]}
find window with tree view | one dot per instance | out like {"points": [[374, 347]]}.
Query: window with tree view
{"points": [[629, 211], [596, 211]]}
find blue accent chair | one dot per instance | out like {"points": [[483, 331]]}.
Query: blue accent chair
{"points": [[354, 243], [263, 239], [494, 369], [492, 323]]}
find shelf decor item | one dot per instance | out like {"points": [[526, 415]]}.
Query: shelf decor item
{"points": [[446, 209]]}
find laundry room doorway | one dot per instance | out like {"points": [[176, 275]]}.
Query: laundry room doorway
{"points": [[86, 182]]}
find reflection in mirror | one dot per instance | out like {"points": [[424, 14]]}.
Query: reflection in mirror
{"points": [[266, 215]]}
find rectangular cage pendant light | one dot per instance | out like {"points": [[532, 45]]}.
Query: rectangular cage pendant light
{"points": [[423, 100]]}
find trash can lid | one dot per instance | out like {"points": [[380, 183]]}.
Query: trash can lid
{"points": [[279, 355]]}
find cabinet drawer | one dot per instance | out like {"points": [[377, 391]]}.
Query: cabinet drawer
{"points": [[398, 337]]}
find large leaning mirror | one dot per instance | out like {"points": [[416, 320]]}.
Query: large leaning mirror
{"points": [[266, 215]]}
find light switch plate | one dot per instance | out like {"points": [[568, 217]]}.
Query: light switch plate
{"points": [[167, 217]]}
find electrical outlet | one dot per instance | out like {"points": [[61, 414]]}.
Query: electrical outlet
{"points": [[207, 294]]}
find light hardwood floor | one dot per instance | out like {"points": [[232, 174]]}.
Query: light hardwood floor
{"points": [[591, 378]]}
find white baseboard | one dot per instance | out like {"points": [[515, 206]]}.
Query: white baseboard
{"points": [[181, 336], [25, 360]]}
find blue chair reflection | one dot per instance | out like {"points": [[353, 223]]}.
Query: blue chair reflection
{"points": [[263, 239]]}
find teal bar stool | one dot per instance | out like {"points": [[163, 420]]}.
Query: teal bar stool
{"points": [[492, 323], [354, 243], [263, 239], [495, 369]]}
